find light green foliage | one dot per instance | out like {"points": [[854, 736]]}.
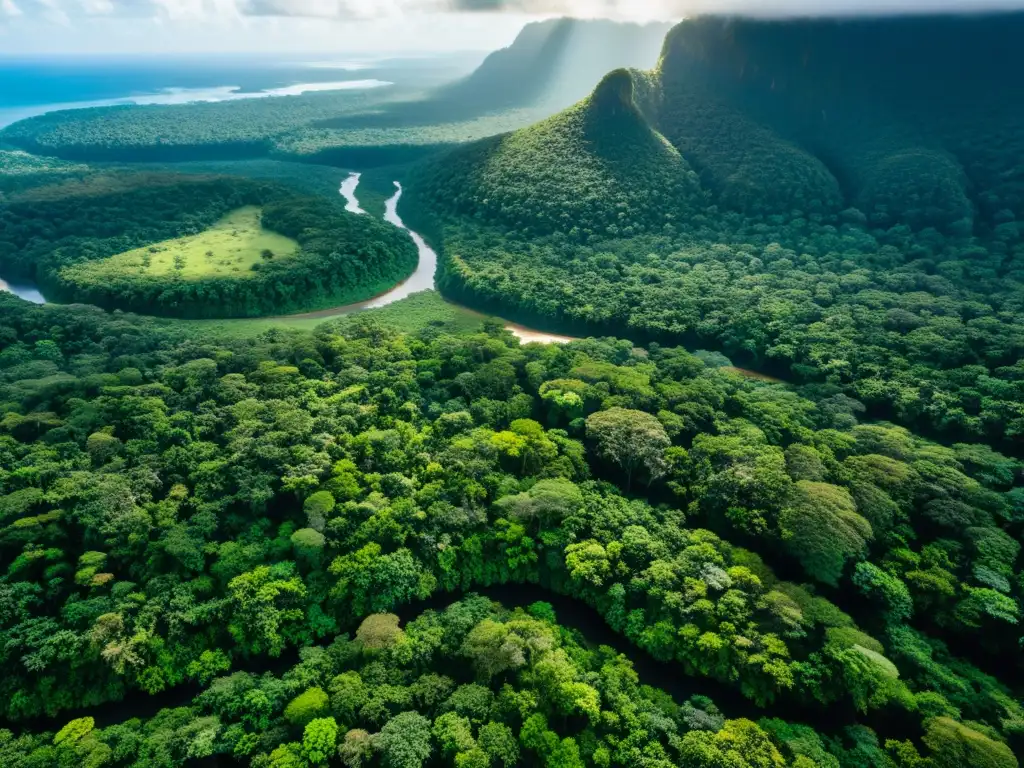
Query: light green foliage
{"points": [[954, 744], [633, 440], [545, 504], [286, 756], [579, 698], [102, 446], [380, 632], [307, 706], [318, 508], [798, 741], [888, 591], [740, 744], [498, 741], [405, 742], [262, 601], [494, 648], [209, 665], [357, 749], [308, 543], [453, 734], [318, 740], [474, 758], [74, 731], [228, 249]]}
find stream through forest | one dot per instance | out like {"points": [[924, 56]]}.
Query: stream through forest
{"points": [[422, 279]]}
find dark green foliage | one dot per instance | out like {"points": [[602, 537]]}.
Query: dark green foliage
{"points": [[912, 136], [532, 711], [239, 129], [194, 545]]}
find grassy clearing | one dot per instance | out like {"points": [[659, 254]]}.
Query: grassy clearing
{"points": [[229, 248], [407, 315]]}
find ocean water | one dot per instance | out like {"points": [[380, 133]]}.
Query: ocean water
{"points": [[25, 81], [31, 87]]}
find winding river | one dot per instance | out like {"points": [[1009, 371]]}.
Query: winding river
{"points": [[420, 280], [348, 191]]}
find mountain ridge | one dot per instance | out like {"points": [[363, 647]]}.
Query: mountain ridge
{"points": [[526, 72]]}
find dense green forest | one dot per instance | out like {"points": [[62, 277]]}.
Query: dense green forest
{"points": [[179, 507], [54, 234], [406, 540], [473, 685], [890, 265], [220, 130]]}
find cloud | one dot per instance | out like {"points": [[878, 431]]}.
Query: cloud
{"points": [[674, 9], [338, 9], [305, 8], [62, 10]]}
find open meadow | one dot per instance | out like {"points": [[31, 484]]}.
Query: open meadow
{"points": [[234, 246]]}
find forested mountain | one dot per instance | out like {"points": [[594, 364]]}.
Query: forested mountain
{"points": [[549, 66], [597, 167], [858, 218]]}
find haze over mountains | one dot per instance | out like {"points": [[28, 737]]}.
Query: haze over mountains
{"points": [[551, 65], [558, 62]]}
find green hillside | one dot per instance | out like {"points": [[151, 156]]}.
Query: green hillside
{"points": [[822, 215], [595, 170]]}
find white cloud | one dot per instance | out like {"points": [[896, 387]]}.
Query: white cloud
{"points": [[383, 9]]}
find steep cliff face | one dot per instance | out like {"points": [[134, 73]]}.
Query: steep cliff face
{"points": [[556, 63], [916, 120]]}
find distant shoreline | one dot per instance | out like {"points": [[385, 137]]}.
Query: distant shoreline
{"points": [[173, 96]]}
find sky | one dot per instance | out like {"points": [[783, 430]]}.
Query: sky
{"points": [[371, 26]]}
